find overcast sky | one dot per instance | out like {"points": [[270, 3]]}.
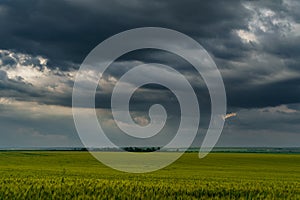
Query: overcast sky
{"points": [[255, 44]]}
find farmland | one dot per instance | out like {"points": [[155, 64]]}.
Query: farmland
{"points": [[70, 174]]}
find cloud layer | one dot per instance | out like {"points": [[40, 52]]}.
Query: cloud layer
{"points": [[255, 44]]}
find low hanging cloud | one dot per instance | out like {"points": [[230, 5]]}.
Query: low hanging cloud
{"points": [[280, 109]]}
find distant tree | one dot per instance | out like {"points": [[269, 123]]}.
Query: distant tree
{"points": [[141, 149]]}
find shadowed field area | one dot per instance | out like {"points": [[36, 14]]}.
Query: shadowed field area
{"points": [[65, 175]]}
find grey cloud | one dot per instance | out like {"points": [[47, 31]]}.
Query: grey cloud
{"points": [[3, 76], [66, 30], [262, 127], [21, 128], [260, 73]]}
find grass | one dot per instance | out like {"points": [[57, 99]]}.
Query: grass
{"points": [[77, 175]]}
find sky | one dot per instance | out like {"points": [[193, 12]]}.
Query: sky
{"points": [[255, 44]]}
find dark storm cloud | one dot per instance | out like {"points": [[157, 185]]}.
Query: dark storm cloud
{"points": [[68, 30], [273, 94], [65, 31], [255, 44]]}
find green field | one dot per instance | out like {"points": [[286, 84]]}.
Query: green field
{"points": [[77, 175]]}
